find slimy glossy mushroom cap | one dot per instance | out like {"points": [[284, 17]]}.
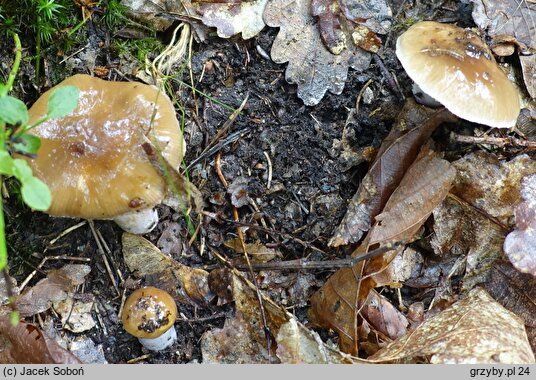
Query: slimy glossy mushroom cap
{"points": [[454, 66], [148, 313], [95, 161]]}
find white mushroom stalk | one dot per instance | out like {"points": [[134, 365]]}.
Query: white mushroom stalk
{"points": [[138, 222]]}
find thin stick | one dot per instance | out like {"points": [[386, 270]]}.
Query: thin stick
{"points": [[267, 333], [103, 255], [45, 259], [501, 142], [266, 230], [302, 264], [269, 170], [66, 232]]}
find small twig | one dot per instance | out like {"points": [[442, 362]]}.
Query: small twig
{"points": [[360, 95], [66, 232], [388, 76], [220, 145], [266, 328], [222, 131], [269, 170], [501, 142], [479, 211], [302, 264], [45, 259], [203, 319], [217, 167], [104, 258], [267, 230], [139, 359]]}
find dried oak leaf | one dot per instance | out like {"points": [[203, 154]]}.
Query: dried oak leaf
{"points": [[27, 344], [343, 22], [53, 288], [150, 12], [231, 18], [415, 124], [512, 17], [490, 184], [517, 292], [474, 330], [424, 186], [242, 340], [146, 260], [460, 229], [520, 244], [528, 65], [311, 66]]}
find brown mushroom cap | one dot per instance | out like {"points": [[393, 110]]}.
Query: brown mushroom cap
{"points": [[148, 313], [94, 160], [455, 67]]}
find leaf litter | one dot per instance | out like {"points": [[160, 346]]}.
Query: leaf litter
{"points": [[474, 330], [338, 304]]}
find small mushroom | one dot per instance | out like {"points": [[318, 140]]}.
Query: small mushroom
{"points": [[149, 314], [455, 67], [96, 161]]}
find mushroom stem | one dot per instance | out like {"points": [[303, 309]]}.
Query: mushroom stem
{"points": [[163, 341], [139, 221]]}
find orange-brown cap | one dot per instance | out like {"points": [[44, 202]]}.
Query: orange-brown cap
{"points": [[94, 160], [455, 67], [148, 313]]}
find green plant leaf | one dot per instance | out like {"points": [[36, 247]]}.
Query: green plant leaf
{"points": [[21, 170], [27, 143], [13, 111], [63, 101], [6, 163], [36, 194]]}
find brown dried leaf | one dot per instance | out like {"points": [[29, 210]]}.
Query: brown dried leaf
{"points": [[459, 229], [146, 260], [311, 66], [242, 339], [424, 186], [520, 244], [53, 288], [490, 184], [414, 126], [517, 292], [528, 64], [27, 344], [474, 330], [231, 18], [257, 250], [342, 22], [76, 313], [383, 316], [513, 17], [150, 12]]}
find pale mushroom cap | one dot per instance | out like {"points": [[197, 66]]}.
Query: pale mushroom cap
{"points": [[455, 67], [94, 160], [148, 313]]}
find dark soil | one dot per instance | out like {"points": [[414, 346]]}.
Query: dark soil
{"points": [[311, 182]]}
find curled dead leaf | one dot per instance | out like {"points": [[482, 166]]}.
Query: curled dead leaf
{"points": [[27, 344], [520, 244], [146, 260], [415, 124], [474, 330]]}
